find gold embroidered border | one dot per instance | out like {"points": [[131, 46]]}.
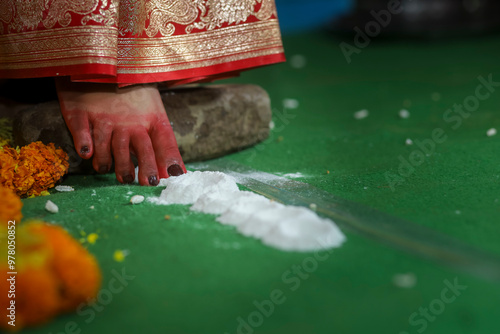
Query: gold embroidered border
{"points": [[205, 63], [56, 47], [101, 45], [174, 53]]}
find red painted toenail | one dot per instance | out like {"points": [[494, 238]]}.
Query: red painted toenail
{"points": [[175, 170], [103, 169], [84, 150], [153, 180], [128, 179]]}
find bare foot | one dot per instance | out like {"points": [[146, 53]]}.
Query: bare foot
{"points": [[107, 121]]}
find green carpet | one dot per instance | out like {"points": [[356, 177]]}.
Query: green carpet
{"points": [[194, 275]]}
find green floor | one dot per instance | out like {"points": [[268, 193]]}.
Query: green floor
{"points": [[193, 275]]}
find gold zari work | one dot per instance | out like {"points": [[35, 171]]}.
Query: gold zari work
{"points": [[137, 36], [24, 15]]}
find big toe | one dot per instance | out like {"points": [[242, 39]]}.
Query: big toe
{"points": [[168, 157]]}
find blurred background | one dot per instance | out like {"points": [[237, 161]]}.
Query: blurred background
{"points": [[431, 18]]}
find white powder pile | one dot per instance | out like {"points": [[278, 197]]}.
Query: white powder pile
{"points": [[287, 228], [187, 188]]}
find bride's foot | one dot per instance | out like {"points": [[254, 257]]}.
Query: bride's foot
{"points": [[108, 121]]}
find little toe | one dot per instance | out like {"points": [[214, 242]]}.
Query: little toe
{"points": [[124, 169], [168, 157], [148, 173]]}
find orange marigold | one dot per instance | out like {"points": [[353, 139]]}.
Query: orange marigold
{"points": [[77, 270], [33, 169], [54, 274], [8, 165], [10, 206]]}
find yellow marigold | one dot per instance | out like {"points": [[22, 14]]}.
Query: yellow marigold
{"points": [[54, 274], [33, 169], [10, 206]]}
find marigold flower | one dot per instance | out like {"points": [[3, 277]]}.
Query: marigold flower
{"points": [[8, 165], [54, 274], [10, 206], [74, 266], [32, 169]]}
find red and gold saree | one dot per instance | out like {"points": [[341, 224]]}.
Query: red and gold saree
{"points": [[137, 41]]}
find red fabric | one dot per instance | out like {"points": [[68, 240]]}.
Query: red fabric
{"points": [[172, 41]]}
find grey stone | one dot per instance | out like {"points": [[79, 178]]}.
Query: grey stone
{"points": [[44, 122], [208, 122]]}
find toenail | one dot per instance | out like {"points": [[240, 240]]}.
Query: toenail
{"points": [[103, 169], [84, 150], [128, 179], [175, 170], [153, 180]]}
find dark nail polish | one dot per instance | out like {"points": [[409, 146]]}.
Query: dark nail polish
{"points": [[153, 180], [84, 150], [128, 179], [103, 169], [175, 170]]}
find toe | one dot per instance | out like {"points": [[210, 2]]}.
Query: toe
{"points": [[124, 168], [168, 157], [102, 148], [148, 173], [78, 125]]}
